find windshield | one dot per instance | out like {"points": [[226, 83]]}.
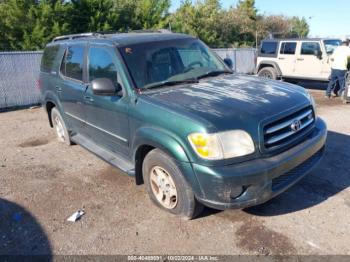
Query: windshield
{"points": [[169, 61], [331, 45]]}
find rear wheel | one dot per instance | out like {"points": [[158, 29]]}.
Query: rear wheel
{"points": [[60, 127], [167, 187], [268, 73]]}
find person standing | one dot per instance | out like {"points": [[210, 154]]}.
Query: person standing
{"points": [[340, 60]]}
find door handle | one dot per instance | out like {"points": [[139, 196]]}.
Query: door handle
{"points": [[300, 59], [281, 58], [59, 89], [89, 98]]}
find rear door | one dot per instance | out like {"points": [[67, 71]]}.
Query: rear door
{"points": [[287, 58], [71, 88], [308, 65], [107, 116]]}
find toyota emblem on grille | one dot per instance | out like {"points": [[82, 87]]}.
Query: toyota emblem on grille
{"points": [[296, 125]]}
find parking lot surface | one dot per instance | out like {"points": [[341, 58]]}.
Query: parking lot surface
{"points": [[42, 182]]}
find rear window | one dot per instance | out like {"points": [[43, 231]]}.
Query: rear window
{"points": [[48, 58], [268, 48], [73, 62], [288, 48]]}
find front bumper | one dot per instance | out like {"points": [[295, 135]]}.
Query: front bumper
{"points": [[261, 179]]}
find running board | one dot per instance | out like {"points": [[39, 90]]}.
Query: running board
{"points": [[111, 158]]}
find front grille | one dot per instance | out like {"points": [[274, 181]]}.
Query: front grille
{"points": [[283, 131], [284, 180]]}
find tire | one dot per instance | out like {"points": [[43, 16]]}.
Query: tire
{"points": [[60, 127], [268, 73], [158, 166]]}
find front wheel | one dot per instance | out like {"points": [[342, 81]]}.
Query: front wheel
{"points": [[167, 187], [268, 73]]}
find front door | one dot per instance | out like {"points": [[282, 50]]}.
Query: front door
{"points": [[287, 58], [71, 87], [308, 64], [107, 116]]}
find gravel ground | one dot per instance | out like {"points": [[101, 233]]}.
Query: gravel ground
{"points": [[42, 182]]}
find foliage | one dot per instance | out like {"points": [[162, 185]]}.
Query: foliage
{"points": [[30, 24], [300, 27], [238, 26], [200, 20]]}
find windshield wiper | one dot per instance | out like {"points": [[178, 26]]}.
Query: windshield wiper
{"points": [[170, 83], [214, 73]]}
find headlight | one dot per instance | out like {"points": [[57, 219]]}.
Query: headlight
{"points": [[222, 145], [313, 103]]}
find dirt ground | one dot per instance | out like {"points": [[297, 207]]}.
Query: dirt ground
{"points": [[42, 182]]}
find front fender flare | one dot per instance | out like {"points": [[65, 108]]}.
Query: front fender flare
{"points": [[161, 139], [167, 142], [270, 63]]}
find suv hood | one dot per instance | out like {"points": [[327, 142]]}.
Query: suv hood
{"points": [[231, 101]]}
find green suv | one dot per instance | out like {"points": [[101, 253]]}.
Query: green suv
{"points": [[162, 107]]}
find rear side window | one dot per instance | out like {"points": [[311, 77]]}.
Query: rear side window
{"points": [[48, 58], [309, 48], [288, 48], [268, 48], [73, 62]]}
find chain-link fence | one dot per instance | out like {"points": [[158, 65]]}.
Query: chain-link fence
{"points": [[19, 72], [244, 59]]}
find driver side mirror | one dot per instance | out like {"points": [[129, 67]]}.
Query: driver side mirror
{"points": [[105, 87], [228, 62], [318, 54]]}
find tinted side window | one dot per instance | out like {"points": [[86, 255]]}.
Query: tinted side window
{"points": [[102, 64], [269, 48], [309, 48], [73, 62], [288, 48], [48, 58]]}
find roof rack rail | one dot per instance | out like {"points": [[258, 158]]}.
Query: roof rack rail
{"points": [[75, 36], [103, 33], [164, 31], [108, 32]]}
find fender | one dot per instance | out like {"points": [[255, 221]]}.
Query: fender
{"points": [[272, 63], [161, 139], [167, 142], [50, 96]]}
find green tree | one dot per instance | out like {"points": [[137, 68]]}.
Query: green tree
{"points": [[91, 15], [151, 13], [14, 22], [247, 8], [285, 27], [201, 20], [245, 16], [30, 24], [299, 27], [46, 20]]}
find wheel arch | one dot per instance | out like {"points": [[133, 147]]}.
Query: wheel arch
{"points": [[147, 139], [49, 105], [264, 64], [49, 102]]}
